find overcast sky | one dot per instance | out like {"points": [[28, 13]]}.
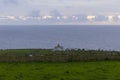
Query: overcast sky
{"points": [[36, 7]]}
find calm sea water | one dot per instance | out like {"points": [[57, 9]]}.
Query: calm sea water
{"points": [[88, 37]]}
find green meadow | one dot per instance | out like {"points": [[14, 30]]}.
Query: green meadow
{"points": [[47, 64], [99, 70], [50, 55]]}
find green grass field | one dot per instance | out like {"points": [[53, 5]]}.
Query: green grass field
{"points": [[103, 70], [49, 55]]}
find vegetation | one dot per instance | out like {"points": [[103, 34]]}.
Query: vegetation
{"points": [[48, 64], [104, 70], [49, 55]]}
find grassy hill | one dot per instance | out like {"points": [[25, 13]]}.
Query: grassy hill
{"points": [[49, 55], [47, 64], [104, 70]]}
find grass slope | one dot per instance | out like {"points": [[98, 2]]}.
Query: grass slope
{"points": [[104, 70], [49, 55]]}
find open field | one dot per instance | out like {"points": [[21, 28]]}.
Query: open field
{"points": [[49, 55], [103, 70], [46, 64]]}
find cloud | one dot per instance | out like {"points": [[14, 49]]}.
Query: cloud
{"points": [[34, 13], [55, 13], [29, 7], [36, 8], [9, 2]]}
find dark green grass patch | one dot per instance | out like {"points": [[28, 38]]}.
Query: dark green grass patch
{"points": [[105, 70]]}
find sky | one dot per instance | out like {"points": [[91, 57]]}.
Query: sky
{"points": [[35, 7], [67, 7]]}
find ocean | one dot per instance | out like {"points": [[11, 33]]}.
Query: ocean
{"points": [[106, 37]]}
